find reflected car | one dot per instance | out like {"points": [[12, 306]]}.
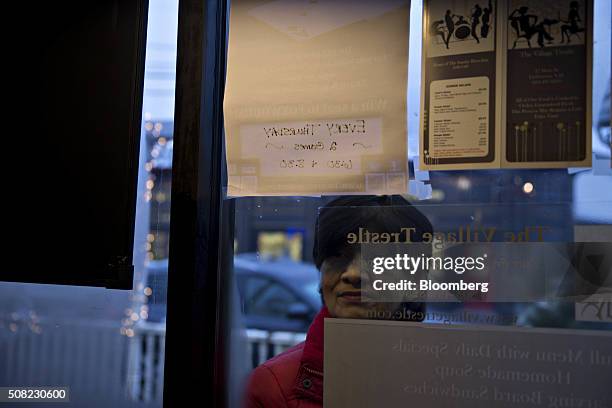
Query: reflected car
{"points": [[277, 294]]}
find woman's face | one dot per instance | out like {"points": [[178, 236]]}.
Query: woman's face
{"points": [[342, 291]]}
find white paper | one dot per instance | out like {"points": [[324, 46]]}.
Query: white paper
{"points": [[315, 101], [459, 117]]}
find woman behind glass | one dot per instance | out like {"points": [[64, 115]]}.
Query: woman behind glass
{"points": [[294, 378]]}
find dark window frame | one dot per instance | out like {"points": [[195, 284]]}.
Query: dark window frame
{"points": [[201, 222]]}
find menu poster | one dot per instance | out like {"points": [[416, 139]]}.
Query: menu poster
{"points": [[458, 96], [548, 93], [315, 101], [515, 97]]}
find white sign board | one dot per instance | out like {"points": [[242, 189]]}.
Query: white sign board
{"points": [[398, 364]]}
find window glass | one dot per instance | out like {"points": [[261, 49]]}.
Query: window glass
{"points": [[573, 203], [107, 345], [270, 299]]}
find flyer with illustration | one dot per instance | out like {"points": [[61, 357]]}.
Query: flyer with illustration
{"points": [[459, 88], [506, 84], [548, 97], [315, 101]]}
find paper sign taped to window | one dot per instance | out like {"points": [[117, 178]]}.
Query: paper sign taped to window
{"points": [[506, 84], [315, 101]]}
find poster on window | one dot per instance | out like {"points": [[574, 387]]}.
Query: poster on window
{"points": [[315, 98], [548, 97], [506, 84], [459, 91]]}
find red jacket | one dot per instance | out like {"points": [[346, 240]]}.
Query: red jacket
{"points": [[294, 378]]}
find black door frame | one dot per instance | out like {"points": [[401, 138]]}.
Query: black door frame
{"points": [[194, 356]]}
